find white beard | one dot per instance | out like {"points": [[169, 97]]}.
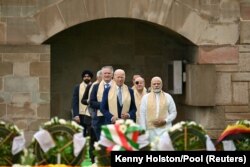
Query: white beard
{"points": [[157, 90]]}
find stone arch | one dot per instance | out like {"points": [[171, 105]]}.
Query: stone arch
{"points": [[65, 14]]}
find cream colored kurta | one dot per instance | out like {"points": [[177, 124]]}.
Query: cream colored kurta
{"points": [[146, 117], [138, 96]]}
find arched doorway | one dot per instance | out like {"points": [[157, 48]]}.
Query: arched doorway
{"points": [[136, 46]]}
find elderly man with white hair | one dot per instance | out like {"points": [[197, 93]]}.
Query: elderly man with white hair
{"points": [[118, 101], [157, 110]]}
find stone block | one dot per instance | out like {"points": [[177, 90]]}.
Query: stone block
{"points": [[21, 84], [219, 34], [11, 11], [113, 8], [1, 85], [229, 11], [35, 124], [22, 30], [159, 10], [3, 112], [28, 135], [95, 8], [6, 68], [40, 69], [21, 69], [244, 62], [73, 12], [199, 91], [43, 111], [25, 49], [218, 55], [245, 32], [245, 10], [186, 20], [214, 134], [45, 97], [241, 76], [21, 124], [240, 93], [45, 57], [244, 48], [224, 89], [138, 9], [50, 21], [21, 57], [237, 109], [11, 2], [237, 116], [227, 68], [21, 98], [26, 110], [2, 33], [44, 84], [5, 97], [210, 117]]}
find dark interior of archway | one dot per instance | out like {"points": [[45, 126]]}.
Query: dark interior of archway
{"points": [[136, 46]]}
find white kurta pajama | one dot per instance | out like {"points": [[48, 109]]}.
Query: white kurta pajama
{"points": [[172, 113]]}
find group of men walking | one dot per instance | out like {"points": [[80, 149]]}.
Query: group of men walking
{"points": [[109, 99]]}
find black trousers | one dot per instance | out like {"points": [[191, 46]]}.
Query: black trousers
{"points": [[88, 130]]}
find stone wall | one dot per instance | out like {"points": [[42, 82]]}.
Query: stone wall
{"points": [[223, 26], [25, 86]]}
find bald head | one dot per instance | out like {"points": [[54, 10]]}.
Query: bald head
{"points": [[156, 84], [119, 77], [139, 84]]}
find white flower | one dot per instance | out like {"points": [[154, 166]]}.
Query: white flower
{"points": [[192, 123], [16, 128], [246, 122], [96, 145], [62, 121], [119, 121], [129, 122], [47, 123], [123, 128], [177, 126], [2, 123]]}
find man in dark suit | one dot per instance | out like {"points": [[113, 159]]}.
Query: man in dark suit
{"points": [[96, 98], [79, 110], [118, 100]]}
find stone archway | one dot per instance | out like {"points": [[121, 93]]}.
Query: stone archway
{"points": [[136, 46]]}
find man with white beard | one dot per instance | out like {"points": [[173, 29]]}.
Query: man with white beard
{"points": [[157, 110]]}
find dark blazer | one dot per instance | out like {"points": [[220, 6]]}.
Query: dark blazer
{"points": [[93, 102], [105, 106], [85, 96], [75, 101]]}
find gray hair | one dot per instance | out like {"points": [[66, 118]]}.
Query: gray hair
{"points": [[99, 73], [109, 67]]}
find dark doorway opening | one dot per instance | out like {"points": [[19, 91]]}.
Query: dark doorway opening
{"points": [[136, 46]]}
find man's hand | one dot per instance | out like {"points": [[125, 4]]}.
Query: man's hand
{"points": [[113, 119], [77, 119], [125, 116], [159, 122]]}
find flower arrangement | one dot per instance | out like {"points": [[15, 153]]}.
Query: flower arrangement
{"points": [[124, 135], [8, 132], [61, 148], [239, 133], [188, 136]]}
